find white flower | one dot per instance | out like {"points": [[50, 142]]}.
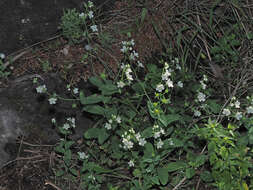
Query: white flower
{"points": [[201, 97], [226, 112], [249, 109], [169, 83], [110, 121], [52, 100], [180, 84], [2, 56], [166, 66], [53, 120], [162, 131], [197, 113], [205, 78], [41, 89], [157, 135], [94, 28], [131, 163], [132, 42], [118, 119], [238, 115], [90, 14], [88, 47], [120, 84], [66, 126], [82, 155], [127, 72], [81, 15], [237, 104], [155, 126], [127, 143], [140, 64], [108, 126], [159, 144], [124, 49], [165, 76], [178, 67], [75, 91], [203, 85], [90, 4], [159, 87], [72, 121], [138, 136], [142, 141]]}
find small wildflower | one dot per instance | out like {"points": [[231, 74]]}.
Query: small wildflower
{"points": [[197, 113], [157, 135], [165, 76], [82, 155], [205, 78], [88, 47], [120, 84], [180, 84], [53, 120], [94, 28], [159, 144], [66, 126], [238, 115], [226, 112], [140, 64], [250, 110], [90, 4], [41, 89], [124, 49], [90, 14], [142, 141], [127, 143], [203, 85], [138, 136], [159, 87], [108, 126], [178, 67], [132, 42], [131, 163], [169, 83], [237, 104], [76, 90], [2, 56], [110, 121], [201, 97], [52, 100], [118, 119], [81, 15]]}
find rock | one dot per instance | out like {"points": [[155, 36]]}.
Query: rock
{"points": [[24, 111]]}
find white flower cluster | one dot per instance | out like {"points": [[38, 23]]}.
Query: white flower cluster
{"points": [[158, 132], [128, 73], [71, 123], [201, 96], [129, 136], [113, 120]]}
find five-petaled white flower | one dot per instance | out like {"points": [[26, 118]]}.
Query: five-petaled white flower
{"points": [[41, 89], [238, 115], [250, 109], [226, 112], [159, 87], [159, 144], [52, 100], [94, 28], [131, 163], [82, 155], [90, 14], [108, 126], [201, 97]]}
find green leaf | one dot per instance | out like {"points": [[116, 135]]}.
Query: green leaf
{"points": [[155, 180], [73, 171], [143, 15], [167, 119], [152, 68], [96, 81], [174, 166], [214, 107], [148, 132], [190, 172], [59, 173], [95, 109], [92, 133], [103, 136], [163, 175], [109, 89], [206, 176], [149, 150], [68, 144], [93, 99]]}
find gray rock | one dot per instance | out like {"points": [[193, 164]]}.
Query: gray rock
{"points": [[24, 111]]}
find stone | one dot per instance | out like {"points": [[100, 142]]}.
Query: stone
{"points": [[23, 111]]}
